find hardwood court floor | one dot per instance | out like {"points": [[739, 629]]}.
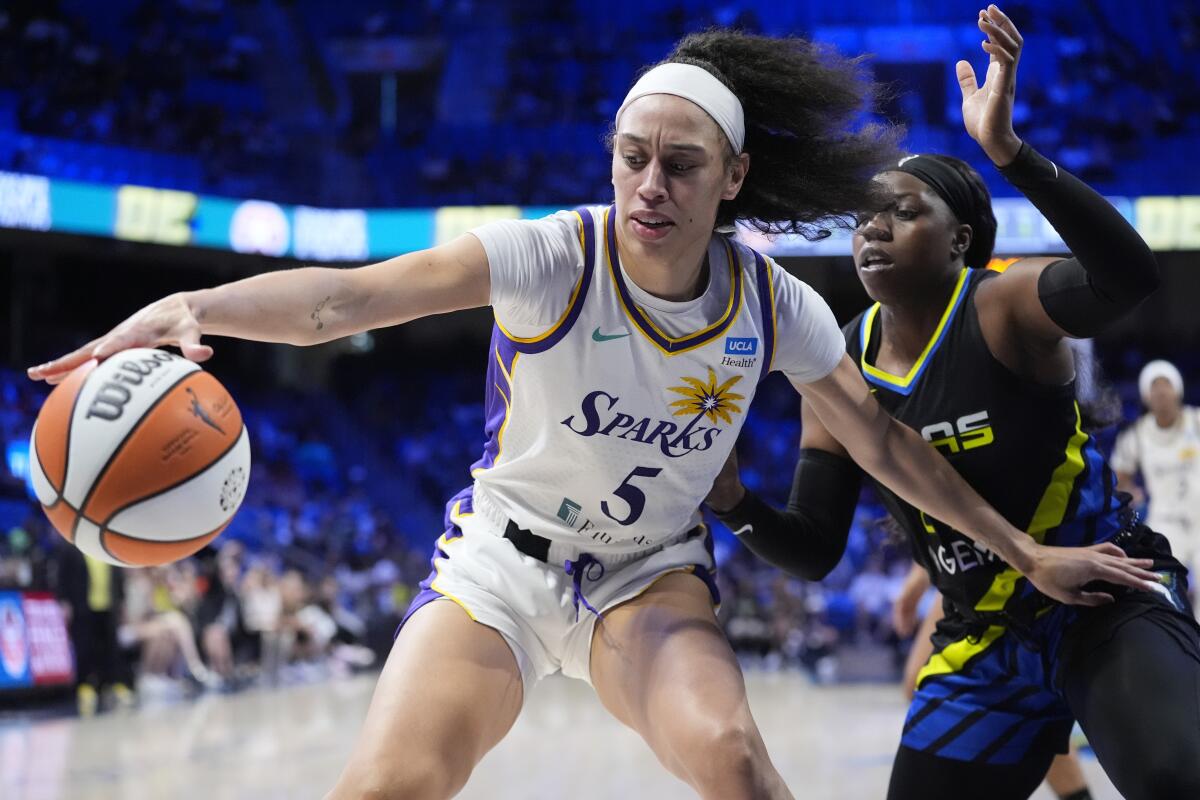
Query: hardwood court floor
{"points": [[286, 744]]}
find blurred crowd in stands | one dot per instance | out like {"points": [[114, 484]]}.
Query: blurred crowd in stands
{"points": [[467, 103], [459, 102], [344, 506]]}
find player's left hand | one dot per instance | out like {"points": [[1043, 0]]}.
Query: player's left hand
{"points": [[1063, 572], [988, 109]]}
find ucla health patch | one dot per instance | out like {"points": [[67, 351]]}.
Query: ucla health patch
{"points": [[741, 345]]}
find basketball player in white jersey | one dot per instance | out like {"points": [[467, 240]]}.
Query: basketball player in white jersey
{"points": [[627, 347], [1163, 446]]}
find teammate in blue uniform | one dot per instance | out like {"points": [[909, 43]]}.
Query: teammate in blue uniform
{"points": [[572, 551], [978, 362]]}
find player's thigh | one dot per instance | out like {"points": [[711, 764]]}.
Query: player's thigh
{"points": [[917, 775], [450, 690], [1136, 693], [661, 664]]}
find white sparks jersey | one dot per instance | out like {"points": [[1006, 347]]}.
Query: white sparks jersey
{"points": [[1169, 461], [606, 428]]}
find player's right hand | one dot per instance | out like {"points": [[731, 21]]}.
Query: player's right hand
{"points": [[1063, 572], [166, 321]]}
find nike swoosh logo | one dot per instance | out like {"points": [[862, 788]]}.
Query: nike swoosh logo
{"points": [[597, 336], [747, 528]]}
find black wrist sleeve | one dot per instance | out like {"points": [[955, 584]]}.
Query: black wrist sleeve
{"points": [[808, 539], [1112, 270]]}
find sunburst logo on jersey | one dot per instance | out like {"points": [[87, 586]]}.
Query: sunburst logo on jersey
{"points": [[707, 399]]}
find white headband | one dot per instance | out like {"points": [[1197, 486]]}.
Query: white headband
{"points": [[702, 88], [1155, 370]]}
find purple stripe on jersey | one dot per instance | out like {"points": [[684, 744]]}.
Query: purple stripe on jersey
{"points": [[768, 312], [497, 392], [427, 594], [464, 500], [704, 573], [710, 580], [496, 397], [466, 505], [639, 316], [585, 281], [423, 598]]}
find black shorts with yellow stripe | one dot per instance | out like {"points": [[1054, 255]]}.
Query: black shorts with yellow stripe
{"points": [[992, 694]]}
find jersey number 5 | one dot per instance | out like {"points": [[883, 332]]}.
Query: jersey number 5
{"points": [[634, 497]]}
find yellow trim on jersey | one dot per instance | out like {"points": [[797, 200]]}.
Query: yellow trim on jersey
{"points": [[1051, 510], [1053, 506], [442, 543], [774, 319], [964, 650], [734, 274], [1049, 514], [507, 411], [503, 370], [896, 380], [737, 273], [566, 311], [503, 425], [457, 513], [954, 656]]}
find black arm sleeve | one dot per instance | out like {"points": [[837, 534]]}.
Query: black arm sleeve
{"points": [[808, 539], [1112, 270]]}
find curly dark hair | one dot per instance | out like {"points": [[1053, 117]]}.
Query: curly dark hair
{"points": [[983, 222], [808, 164]]}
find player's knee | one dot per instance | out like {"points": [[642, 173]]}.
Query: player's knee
{"points": [[727, 761]]}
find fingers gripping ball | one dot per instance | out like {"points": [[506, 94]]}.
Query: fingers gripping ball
{"points": [[140, 460]]}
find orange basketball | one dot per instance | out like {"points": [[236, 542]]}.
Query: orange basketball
{"points": [[140, 460]]}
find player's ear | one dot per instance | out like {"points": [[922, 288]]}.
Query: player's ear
{"points": [[738, 169], [963, 236]]}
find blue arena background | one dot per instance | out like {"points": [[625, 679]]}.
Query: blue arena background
{"points": [[424, 104], [149, 147]]}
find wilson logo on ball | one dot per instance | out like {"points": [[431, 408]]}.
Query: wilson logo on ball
{"points": [[140, 460], [111, 398]]}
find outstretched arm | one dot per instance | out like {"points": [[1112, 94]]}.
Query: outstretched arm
{"points": [[300, 306], [900, 459], [808, 538], [1041, 300]]}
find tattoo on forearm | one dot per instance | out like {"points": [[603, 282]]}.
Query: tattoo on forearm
{"points": [[316, 314]]}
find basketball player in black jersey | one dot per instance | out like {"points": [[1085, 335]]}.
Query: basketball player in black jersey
{"points": [[977, 362]]}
